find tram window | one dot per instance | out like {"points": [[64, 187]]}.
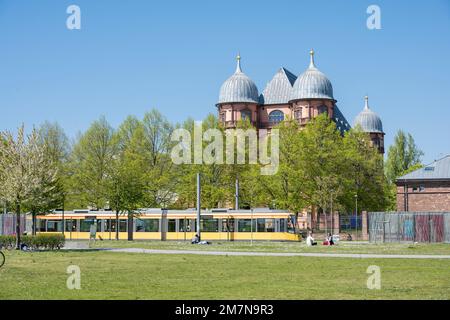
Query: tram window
{"points": [[99, 225], [270, 225], [85, 225], [41, 225], [209, 225], [184, 225], [123, 225], [71, 225], [54, 225], [227, 225], [171, 226], [110, 225], [261, 225], [147, 225], [244, 225], [140, 225], [283, 225]]}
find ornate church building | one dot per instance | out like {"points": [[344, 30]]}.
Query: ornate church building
{"points": [[287, 96]]}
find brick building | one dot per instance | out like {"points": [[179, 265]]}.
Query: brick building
{"points": [[286, 96], [426, 189]]}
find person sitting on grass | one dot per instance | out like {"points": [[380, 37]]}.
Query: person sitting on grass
{"points": [[328, 240], [310, 240], [195, 239]]}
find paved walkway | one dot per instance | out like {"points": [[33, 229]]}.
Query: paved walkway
{"points": [[282, 254]]}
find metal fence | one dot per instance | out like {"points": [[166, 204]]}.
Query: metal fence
{"points": [[8, 224], [409, 227]]}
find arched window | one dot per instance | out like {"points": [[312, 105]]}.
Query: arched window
{"points": [[322, 109], [298, 113], [276, 116], [246, 114]]}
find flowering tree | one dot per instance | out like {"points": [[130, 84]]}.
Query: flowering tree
{"points": [[25, 170]]}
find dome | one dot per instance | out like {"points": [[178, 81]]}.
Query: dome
{"points": [[238, 88], [312, 84], [369, 120]]}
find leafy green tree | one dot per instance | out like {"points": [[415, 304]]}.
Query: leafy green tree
{"points": [[362, 173], [89, 165], [126, 183], [402, 155], [321, 150], [159, 173], [52, 193]]}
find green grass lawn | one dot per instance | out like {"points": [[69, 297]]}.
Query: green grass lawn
{"points": [[108, 275], [266, 246]]}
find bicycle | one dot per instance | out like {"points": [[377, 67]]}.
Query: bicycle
{"points": [[2, 259]]}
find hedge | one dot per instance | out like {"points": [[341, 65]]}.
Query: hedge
{"points": [[38, 242]]}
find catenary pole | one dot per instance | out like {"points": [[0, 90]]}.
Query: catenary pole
{"points": [[198, 205]]}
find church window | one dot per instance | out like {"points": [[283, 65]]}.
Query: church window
{"points": [[322, 109], [276, 117], [246, 114]]}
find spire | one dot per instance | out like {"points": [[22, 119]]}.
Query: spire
{"points": [[311, 63], [366, 104], [238, 66]]}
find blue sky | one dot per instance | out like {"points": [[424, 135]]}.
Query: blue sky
{"points": [[131, 56]]}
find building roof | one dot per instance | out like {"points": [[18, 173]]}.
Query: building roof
{"points": [[369, 120], [438, 170], [279, 89], [341, 122], [238, 88], [312, 84]]}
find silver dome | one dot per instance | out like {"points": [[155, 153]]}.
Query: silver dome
{"points": [[312, 84], [369, 120], [238, 88]]}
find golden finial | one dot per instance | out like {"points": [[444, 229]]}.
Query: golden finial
{"points": [[238, 65], [311, 52]]}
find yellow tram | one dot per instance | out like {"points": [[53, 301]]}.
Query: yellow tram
{"points": [[160, 224]]}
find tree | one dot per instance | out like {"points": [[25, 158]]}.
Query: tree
{"points": [[126, 184], [24, 169], [402, 155], [362, 173], [89, 165], [52, 194], [321, 157], [159, 171]]}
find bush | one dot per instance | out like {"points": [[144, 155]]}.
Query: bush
{"points": [[7, 242], [38, 242]]}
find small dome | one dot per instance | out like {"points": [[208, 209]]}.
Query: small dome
{"points": [[238, 88], [369, 120], [312, 84]]}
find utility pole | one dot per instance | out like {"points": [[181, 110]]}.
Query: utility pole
{"points": [[237, 195], [356, 207], [198, 204]]}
